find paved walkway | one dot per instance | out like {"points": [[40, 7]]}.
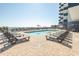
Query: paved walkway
{"points": [[38, 45]]}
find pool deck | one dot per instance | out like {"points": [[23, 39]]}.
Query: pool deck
{"points": [[39, 46]]}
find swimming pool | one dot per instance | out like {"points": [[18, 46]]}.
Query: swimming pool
{"points": [[34, 33]]}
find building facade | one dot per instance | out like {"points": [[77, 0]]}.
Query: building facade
{"points": [[63, 15], [69, 16]]}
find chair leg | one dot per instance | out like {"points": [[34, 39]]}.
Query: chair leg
{"points": [[47, 38], [27, 39], [59, 40]]}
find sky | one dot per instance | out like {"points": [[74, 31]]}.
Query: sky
{"points": [[28, 14]]}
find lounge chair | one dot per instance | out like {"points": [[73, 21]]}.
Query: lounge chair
{"points": [[12, 39], [59, 36], [62, 36], [23, 38]]}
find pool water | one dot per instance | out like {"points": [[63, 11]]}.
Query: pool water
{"points": [[39, 33]]}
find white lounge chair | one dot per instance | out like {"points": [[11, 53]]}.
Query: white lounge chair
{"points": [[56, 36]]}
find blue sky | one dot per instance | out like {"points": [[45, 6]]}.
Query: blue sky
{"points": [[29, 14]]}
